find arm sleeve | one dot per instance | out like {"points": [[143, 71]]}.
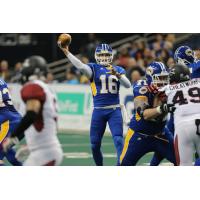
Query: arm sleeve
{"points": [[24, 124], [124, 81], [81, 66]]}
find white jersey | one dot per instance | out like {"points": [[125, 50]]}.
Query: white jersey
{"points": [[186, 98], [42, 134]]}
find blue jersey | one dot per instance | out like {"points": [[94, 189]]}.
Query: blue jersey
{"points": [[5, 98], [138, 123], [9, 117], [104, 85], [195, 69]]}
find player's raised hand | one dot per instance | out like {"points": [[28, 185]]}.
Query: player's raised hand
{"points": [[64, 49], [63, 42], [114, 72]]}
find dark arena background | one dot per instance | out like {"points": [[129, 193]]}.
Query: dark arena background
{"points": [[72, 88]]}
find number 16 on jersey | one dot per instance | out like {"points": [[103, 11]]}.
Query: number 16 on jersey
{"points": [[109, 86]]}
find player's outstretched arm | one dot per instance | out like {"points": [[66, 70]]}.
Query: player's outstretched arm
{"points": [[152, 113], [124, 81], [77, 63], [33, 107]]}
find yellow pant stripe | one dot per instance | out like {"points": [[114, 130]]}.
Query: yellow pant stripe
{"points": [[94, 89], [143, 98], [137, 117], [126, 143], [4, 130]]}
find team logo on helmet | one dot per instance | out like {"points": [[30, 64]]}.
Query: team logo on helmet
{"points": [[149, 71], [189, 52]]}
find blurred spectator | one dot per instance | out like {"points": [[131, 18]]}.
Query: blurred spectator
{"points": [[133, 49], [131, 63], [164, 55], [123, 56], [157, 48], [89, 49], [149, 56], [170, 38], [141, 63], [135, 74], [170, 62], [71, 76], [16, 74], [85, 60], [197, 54], [141, 45], [50, 78], [141, 53], [158, 43], [159, 38], [4, 70], [18, 67]]}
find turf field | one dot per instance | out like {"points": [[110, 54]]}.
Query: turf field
{"points": [[77, 152], [76, 148]]}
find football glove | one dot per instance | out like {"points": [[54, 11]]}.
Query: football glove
{"points": [[166, 108], [114, 72], [9, 142]]}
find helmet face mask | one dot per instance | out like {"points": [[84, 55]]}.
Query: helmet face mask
{"points": [[160, 80], [157, 75], [182, 61], [104, 54]]}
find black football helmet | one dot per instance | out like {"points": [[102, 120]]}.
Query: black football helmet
{"points": [[34, 66], [179, 73]]}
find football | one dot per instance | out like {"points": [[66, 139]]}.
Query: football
{"points": [[64, 40]]}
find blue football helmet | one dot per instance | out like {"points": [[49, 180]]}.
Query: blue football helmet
{"points": [[184, 55], [157, 74], [104, 54]]}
